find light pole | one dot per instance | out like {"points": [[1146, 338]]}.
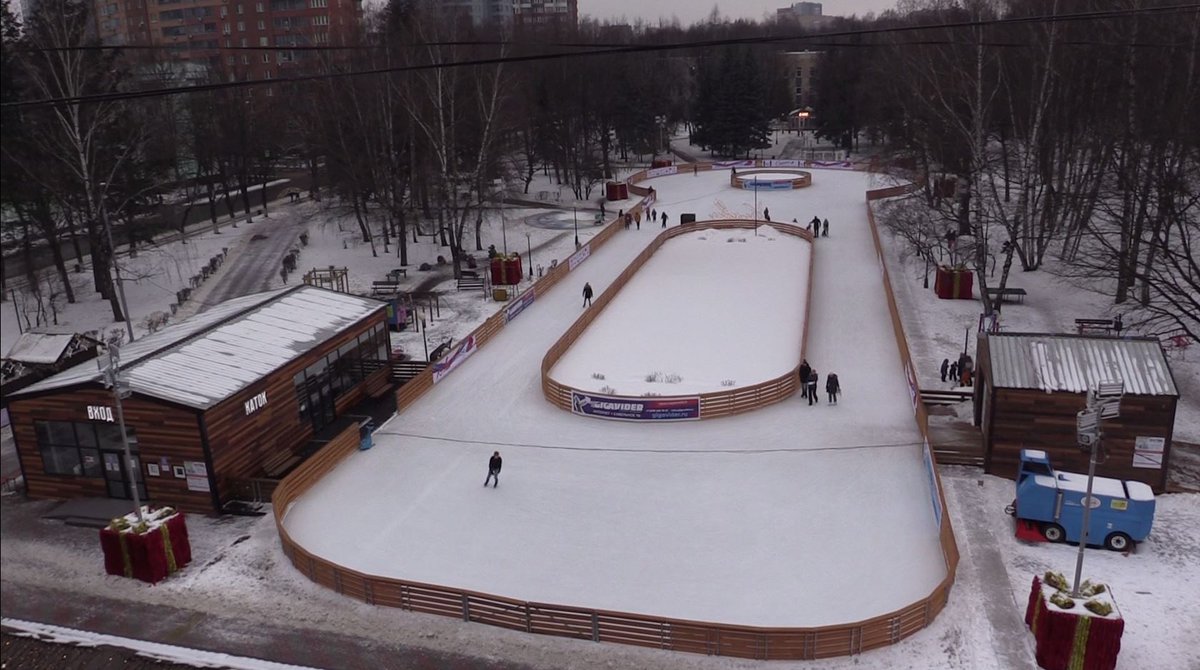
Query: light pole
{"points": [[755, 182], [529, 249], [1104, 402], [112, 379], [575, 213], [112, 254], [424, 338]]}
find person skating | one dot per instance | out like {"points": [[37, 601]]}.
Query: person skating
{"points": [[945, 368], [815, 225], [664, 219], [766, 213], [602, 213], [805, 371], [637, 218], [825, 231], [954, 373], [812, 388], [587, 294], [494, 465], [832, 387]]}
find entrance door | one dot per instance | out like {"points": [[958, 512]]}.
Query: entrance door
{"points": [[320, 402], [118, 475]]}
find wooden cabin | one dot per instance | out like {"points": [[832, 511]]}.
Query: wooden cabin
{"points": [[1029, 388], [229, 394]]}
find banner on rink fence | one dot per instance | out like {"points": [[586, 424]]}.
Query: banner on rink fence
{"points": [[752, 184], [933, 486], [732, 164], [635, 409], [519, 305], [454, 359], [579, 256], [662, 171], [782, 162]]}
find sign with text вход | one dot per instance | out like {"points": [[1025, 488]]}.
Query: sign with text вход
{"points": [[636, 409]]}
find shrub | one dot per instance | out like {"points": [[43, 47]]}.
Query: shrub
{"points": [[608, 390], [727, 382], [1062, 600], [653, 377], [597, 375], [1098, 608], [1056, 580], [673, 379]]}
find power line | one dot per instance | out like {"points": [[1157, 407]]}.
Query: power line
{"points": [[559, 447], [644, 48]]}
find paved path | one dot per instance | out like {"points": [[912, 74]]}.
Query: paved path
{"points": [[251, 268]]}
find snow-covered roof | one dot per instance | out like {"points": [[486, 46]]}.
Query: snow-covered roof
{"points": [[1076, 364], [204, 359], [40, 348]]}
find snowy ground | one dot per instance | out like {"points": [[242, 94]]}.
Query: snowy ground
{"points": [[696, 284]]}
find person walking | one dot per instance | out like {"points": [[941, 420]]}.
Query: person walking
{"points": [[805, 371], [653, 215], [767, 213], [945, 368], [812, 388], [825, 231], [602, 212], [494, 465], [637, 218], [954, 373], [587, 294], [815, 223], [664, 219], [832, 387]]}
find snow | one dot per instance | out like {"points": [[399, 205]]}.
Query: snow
{"points": [[789, 516], [44, 348], [1077, 483], [163, 652], [1036, 454], [654, 328], [1139, 491]]}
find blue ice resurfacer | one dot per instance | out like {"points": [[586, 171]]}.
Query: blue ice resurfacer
{"points": [[1049, 506]]}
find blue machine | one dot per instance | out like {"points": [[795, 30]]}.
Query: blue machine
{"points": [[1050, 503]]}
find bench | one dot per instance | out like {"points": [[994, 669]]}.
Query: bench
{"points": [[467, 282], [384, 288], [1003, 294], [395, 275], [938, 398], [278, 464], [1099, 325]]}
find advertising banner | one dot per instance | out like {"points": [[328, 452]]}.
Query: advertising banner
{"points": [[933, 486], [782, 162], [662, 171], [635, 409], [762, 185], [453, 359], [732, 164], [519, 305], [829, 165], [579, 256]]}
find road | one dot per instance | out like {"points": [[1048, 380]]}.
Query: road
{"points": [[251, 268]]}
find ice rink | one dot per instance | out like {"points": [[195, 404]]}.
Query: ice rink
{"points": [[788, 516]]}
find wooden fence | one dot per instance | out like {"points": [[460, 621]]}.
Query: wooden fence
{"points": [[713, 404], [601, 625]]}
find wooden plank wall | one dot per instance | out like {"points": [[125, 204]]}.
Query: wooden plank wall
{"points": [[241, 443], [163, 431], [601, 625], [1033, 419]]}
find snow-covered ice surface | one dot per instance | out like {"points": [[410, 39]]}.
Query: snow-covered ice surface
{"points": [[788, 516], [693, 318]]}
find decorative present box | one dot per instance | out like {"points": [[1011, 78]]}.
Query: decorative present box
{"points": [[150, 551], [952, 283], [1074, 638]]}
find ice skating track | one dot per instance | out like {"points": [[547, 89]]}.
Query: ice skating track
{"points": [[784, 533]]}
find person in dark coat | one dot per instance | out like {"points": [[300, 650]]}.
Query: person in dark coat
{"points": [[945, 367], [767, 213], [602, 209], [587, 294], [664, 219], [637, 218], [805, 371], [954, 373], [494, 465], [825, 230], [812, 388], [832, 387], [815, 224]]}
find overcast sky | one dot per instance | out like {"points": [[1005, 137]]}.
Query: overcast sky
{"points": [[691, 11]]}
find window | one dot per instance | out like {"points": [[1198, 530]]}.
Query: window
{"points": [[322, 20], [242, 42], [258, 7], [224, 11], [245, 59], [240, 9], [72, 448], [266, 57], [225, 30], [231, 60], [262, 25], [317, 4], [262, 42]]}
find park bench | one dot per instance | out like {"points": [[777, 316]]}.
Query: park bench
{"points": [[931, 397], [1099, 325], [395, 275], [1017, 294], [469, 280], [384, 288], [279, 464]]}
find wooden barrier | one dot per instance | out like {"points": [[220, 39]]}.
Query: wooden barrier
{"points": [[714, 404], [699, 637], [801, 180]]}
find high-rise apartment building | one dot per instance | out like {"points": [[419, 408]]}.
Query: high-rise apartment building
{"points": [[542, 12], [807, 14], [214, 33]]}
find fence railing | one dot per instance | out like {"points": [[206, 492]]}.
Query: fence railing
{"points": [[763, 643], [713, 404]]}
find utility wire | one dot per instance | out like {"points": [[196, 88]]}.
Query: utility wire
{"points": [[645, 48], [559, 447]]}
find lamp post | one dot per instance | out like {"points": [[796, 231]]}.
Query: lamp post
{"points": [[529, 250], [112, 253], [424, 338], [575, 213], [755, 183], [120, 391], [1104, 402]]}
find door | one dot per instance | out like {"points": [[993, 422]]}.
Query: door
{"points": [[320, 402], [119, 475]]}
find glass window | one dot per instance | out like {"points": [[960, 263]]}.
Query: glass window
{"points": [[61, 460], [86, 433], [55, 432], [109, 435], [90, 462]]}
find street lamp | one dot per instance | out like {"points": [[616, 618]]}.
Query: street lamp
{"points": [[755, 183], [1104, 402], [575, 213], [424, 337], [112, 253], [529, 250], [120, 390]]}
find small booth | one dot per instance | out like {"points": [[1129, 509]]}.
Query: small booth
{"points": [[507, 270], [616, 190]]}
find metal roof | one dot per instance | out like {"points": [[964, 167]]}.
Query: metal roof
{"points": [[1076, 364], [40, 348], [207, 358]]}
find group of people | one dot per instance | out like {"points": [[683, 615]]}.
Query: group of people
{"points": [[808, 384], [634, 218], [960, 372]]}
